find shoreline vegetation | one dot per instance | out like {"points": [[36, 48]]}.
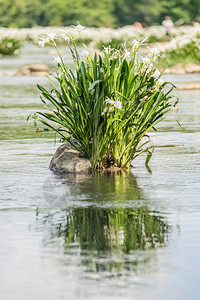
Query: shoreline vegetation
{"points": [[105, 105], [183, 47], [113, 13]]}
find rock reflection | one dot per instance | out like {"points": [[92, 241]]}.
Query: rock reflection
{"points": [[64, 190]]}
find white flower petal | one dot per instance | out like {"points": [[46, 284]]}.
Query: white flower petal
{"points": [[52, 35], [57, 60]]}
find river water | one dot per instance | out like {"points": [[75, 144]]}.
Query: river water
{"points": [[125, 236]]}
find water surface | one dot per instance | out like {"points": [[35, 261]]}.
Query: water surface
{"points": [[123, 236]]}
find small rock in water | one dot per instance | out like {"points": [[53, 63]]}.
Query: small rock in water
{"points": [[32, 70], [68, 160], [180, 69], [190, 86], [177, 69], [192, 68]]}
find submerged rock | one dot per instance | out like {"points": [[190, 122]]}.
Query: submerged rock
{"points": [[68, 160], [180, 69], [192, 68], [190, 86], [177, 69], [32, 70]]}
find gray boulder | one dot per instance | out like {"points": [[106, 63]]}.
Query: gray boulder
{"points": [[68, 160]]}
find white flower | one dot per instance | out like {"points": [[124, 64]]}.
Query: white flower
{"points": [[43, 41], [127, 54], [147, 66], [135, 44], [52, 36], [109, 101], [156, 74], [66, 37], [84, 54], [114, 104], [108, 109], [79, 27], [57, 60], [118, 104], [108, 49], [145, 60], [155, 51]]}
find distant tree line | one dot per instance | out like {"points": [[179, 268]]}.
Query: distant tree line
{"points": [[113, 13]]}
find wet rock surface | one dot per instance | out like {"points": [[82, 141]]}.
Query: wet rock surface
{"points": [[68, 160]]}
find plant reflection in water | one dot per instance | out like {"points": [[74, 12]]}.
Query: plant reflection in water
{"points": [[106, 239]]}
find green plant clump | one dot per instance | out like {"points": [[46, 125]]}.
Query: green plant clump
{"points": [[105, 107], [10, 46], [187, 52]]}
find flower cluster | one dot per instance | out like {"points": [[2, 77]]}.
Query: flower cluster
{"points": [[67, 36], [145, 65], [111, 105]]}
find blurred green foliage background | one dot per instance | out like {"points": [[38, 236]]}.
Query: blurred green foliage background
{"points": [[112, 13]]}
